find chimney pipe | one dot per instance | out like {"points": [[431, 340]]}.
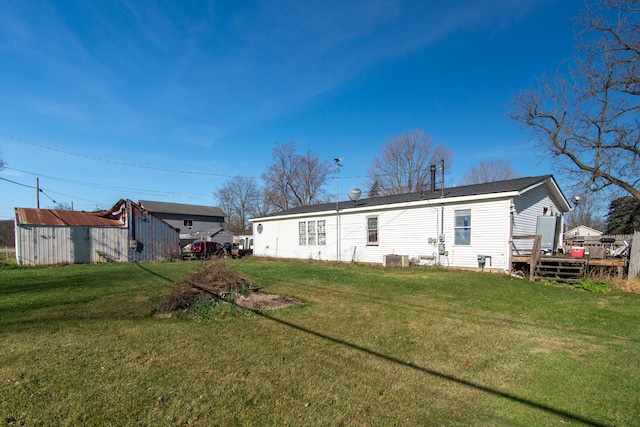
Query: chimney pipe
{"points": [[442, 194], [432, 169]]}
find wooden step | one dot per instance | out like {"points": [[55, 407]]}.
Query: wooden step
{"points": [[560, 269]]}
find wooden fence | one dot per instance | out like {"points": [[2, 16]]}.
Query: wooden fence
{"points": [[594, 247]]}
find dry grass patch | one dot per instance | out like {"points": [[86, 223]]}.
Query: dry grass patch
{"points": [[626, 285]]}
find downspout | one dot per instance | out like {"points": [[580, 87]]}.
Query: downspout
{"points": [[509, 253]]}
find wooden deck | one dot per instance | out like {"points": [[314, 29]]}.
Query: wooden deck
{"points": [[567, 268], [606, 262]]}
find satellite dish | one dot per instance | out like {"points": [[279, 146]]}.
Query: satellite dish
{"points": [[579, 199], [355, 194]]}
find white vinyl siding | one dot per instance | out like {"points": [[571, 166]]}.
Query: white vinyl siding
{"points": [[408, 229], [406, 232], [527, 209]]}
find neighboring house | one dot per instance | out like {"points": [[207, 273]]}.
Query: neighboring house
{"points": [[452, 227], [581, 231], [195, 222], [125, 233]]}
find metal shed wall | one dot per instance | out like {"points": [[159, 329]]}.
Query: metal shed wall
{"points": [[155, 240], [135, 235], [52, 245]]}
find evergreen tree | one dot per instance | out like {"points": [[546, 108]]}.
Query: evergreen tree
{"points": [[623, 216]]}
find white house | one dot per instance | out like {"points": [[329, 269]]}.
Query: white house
{"points": [[452, 226], [581, 231]]}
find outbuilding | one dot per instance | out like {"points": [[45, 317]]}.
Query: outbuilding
{"points": [[472, 226], [124, 233], [194, 222]]}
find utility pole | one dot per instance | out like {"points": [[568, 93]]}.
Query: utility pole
{"points": [[337, 160], [38, 193]]}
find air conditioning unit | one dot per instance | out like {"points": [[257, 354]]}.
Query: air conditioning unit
{"points": [[395, 260]]}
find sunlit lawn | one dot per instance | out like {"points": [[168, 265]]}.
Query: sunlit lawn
{"points": [[369, 346]]}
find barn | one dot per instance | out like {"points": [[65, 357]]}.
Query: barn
{"points": [[124, 233], [457, 226]]}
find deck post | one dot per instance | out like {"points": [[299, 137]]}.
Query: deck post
{"points": [[535, 256]]}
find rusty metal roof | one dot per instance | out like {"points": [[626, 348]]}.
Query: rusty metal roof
{"points": [[56, 217]]}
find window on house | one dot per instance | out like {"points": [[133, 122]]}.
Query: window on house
{"points": [[372, 230], [188, 223], [322, 234], [312, 233], [462, 227], [302, 233]]}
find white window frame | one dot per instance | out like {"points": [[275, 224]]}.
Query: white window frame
{"points": [[462, 227], [322, 232], [312, 233], [302, 233], [370, 230]]}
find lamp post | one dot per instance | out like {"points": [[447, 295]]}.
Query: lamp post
{"points": [[338, 162]]}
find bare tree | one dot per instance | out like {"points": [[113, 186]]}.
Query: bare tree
{"points": [[295, 180], [239, 197], [495, 170], [588, 123], [589, 212], [63, 206], [403, 164]]}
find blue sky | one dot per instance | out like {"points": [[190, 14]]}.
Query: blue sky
{"points": [[110, 100]]}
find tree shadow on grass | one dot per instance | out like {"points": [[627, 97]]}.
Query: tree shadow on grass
{"points": [[154, 273], [63, 300], [460, 381]]}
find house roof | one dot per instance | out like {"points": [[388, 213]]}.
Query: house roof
{"points": [[181, 209], [518, 185], [58, 217], [583, 227]]}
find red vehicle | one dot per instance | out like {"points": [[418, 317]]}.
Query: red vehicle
{"points": [[203, 249]]}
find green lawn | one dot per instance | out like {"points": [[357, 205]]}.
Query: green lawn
{"points": [[369, 346]]}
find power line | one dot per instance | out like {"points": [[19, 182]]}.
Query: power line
{"points": [[114, 162], [85, 183], [33, 187], [17, 183], [93, 185]]}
